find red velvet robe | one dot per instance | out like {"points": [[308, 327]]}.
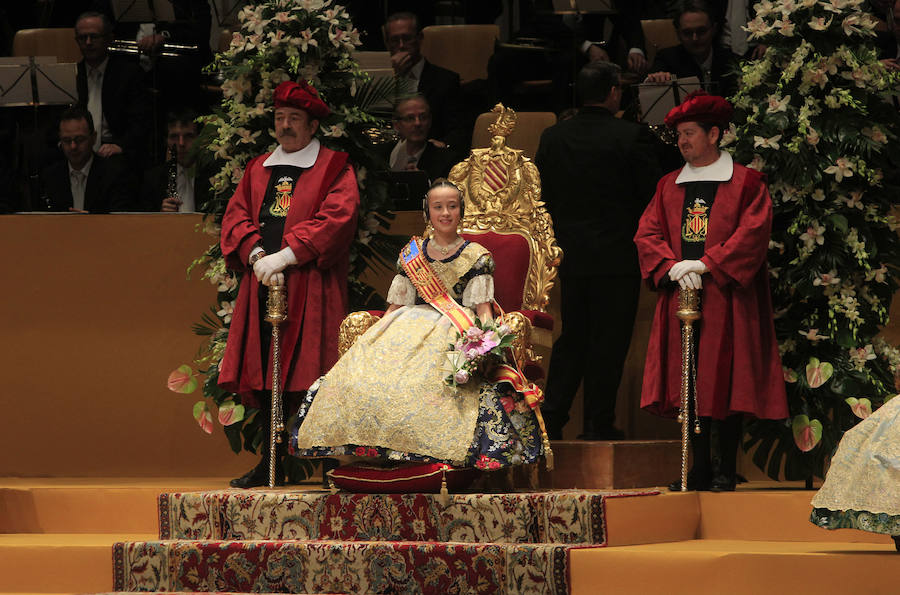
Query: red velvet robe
{"points": [[738, 366], [319, 228]]}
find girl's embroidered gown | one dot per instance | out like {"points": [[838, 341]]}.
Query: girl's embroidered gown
{"points": [[862, 488], [386, 397]]}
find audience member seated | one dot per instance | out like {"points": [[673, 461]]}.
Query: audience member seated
{"points": [[439, 85], [697, 55], [412, 121], [191, 186], [85, 182], [112, 89]]}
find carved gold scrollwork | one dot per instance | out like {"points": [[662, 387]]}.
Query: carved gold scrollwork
{"points": [[519, 324], [502, 190], [352, 327]]}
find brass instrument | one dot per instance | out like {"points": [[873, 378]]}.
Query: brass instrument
{"points": [[688, 312], [276, 313], [170, 50]]}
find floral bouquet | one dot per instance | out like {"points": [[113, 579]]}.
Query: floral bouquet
{"points": [[481, 346]]}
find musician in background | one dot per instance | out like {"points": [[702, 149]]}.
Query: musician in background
{"points": [[174, 53], [414, 150], [85, 182], [177, 186], [112, 88]]}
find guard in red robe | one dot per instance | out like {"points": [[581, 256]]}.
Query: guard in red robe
{"points": [[291, 221], [708, 227]]}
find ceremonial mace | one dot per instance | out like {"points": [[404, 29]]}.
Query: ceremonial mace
{"points": [[688, 312], [276, 313]]}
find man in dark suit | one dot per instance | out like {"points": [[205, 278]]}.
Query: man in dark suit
{"points": [[598, 173], [113, 90], [439, 85], [697, 54], [191, 185], [84, 182], [414, 150]]}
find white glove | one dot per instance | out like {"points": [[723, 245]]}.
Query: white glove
{"points": [[691, 281], [268, 269], [680, 269]]}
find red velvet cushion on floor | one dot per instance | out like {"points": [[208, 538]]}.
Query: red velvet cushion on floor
{"points": [[418, 478]]}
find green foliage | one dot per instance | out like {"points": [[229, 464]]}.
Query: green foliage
{"points": [[281, 40], [812, 115]]}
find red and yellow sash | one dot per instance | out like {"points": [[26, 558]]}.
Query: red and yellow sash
{"points": [[430, 286], [433, 291]]}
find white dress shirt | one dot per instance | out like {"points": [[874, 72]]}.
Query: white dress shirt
{"points": [[78, 183]]}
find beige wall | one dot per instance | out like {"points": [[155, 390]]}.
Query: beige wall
{"points": [[95, 313]]}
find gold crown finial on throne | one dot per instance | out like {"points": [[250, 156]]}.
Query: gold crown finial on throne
{"points": [[505, 122]]}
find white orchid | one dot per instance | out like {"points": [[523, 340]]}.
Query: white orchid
{"points": [[842, 168], [767, 143]]}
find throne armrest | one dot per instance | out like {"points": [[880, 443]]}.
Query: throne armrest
{"points": [[354, 325]]}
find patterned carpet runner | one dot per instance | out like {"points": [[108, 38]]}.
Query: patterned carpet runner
{"points": [[317, 542]]}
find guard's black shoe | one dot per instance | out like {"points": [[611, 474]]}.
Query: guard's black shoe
{"points": [[693, 483], [259, 476], [722, 483]]}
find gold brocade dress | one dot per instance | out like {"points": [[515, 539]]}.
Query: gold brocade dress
{"points": [[386, 398], [862, 487]]}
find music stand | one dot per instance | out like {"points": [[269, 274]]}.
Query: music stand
{"points": [[657, 99], [36, 81]]}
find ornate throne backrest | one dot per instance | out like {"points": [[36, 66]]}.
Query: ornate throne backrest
{"points": [[504, 213]]}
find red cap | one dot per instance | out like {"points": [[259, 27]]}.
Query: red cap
{"points": [[700, 106], [300, 95]]}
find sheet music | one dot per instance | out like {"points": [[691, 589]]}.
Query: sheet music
{"points": [[658, 99]]}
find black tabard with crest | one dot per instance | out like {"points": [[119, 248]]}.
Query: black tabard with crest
{"points": [[698, 202], [276, 205]]}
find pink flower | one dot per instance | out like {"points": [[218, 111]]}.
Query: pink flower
{"points": [[461, 377]]}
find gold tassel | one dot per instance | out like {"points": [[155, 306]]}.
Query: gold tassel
{"points": [[548, 453], [444, 496]]}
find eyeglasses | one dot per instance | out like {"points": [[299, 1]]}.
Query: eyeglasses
{"points": [[83, 37], [410, 118], [398, 40], [68, 140], [694, 33]]}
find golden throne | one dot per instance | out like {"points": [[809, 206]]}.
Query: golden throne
{"points": [[505, 214]]}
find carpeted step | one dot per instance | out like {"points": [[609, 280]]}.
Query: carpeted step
{"points": [[563, 517], [342, 567]]}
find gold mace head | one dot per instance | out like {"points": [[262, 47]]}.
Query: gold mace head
{"points": [[276, 304], [688, 305]]}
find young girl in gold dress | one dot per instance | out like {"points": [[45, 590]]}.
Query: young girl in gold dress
{"points": [[387, 398]]}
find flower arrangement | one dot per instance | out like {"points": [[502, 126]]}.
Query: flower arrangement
{"points": [[481, 347], [811, 114], [282, 40]]}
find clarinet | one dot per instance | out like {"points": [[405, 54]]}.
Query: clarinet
{"points": [[172, 185]]}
